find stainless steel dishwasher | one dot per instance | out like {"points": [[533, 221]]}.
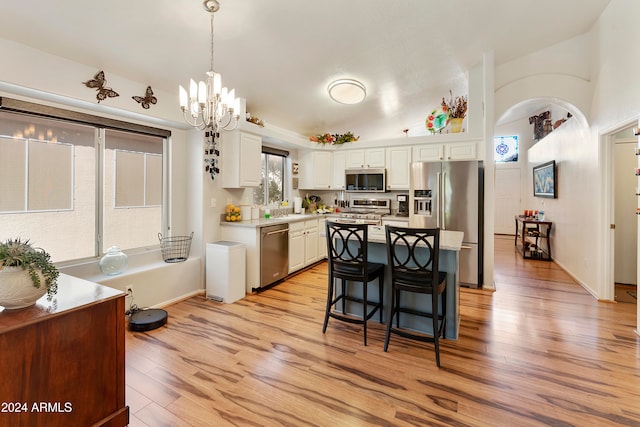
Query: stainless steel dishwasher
{"points": [[274, 253]]}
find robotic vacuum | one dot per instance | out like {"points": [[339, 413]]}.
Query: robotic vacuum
{"points": [[147, 320]]}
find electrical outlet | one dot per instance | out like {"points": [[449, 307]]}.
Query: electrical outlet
{"points": [[129, 290]]}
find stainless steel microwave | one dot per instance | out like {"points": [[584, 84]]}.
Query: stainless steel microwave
{"points": [[367, 180]]}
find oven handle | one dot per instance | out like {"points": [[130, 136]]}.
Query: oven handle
{"points": [[284, 230], [355, 221]]}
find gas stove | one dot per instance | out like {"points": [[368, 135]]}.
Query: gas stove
{"points": [[347, 218], [366, 211]]}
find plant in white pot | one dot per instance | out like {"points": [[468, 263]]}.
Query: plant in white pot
{"points": [[26, 274]]}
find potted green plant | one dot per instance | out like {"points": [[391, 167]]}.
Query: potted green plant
{"points": [[26, 273]]}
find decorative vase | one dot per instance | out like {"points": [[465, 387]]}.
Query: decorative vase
{"points": [[113, 262], [456, 124], [17, 290]]}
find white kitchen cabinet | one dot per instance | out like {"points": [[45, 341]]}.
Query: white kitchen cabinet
{"points": [[368, 158], [460, 151], [444, 152], [398, 165], [311, 241], [303, 244], [322, 242], [240, 160], [296, 246], [428, 153], [339, 165], [316, 172]]}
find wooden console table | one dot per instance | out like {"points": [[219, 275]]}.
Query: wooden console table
{"points": [[62, 362], [533, 238]]}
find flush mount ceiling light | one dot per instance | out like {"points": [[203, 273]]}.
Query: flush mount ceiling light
{"points": [[347, 91]]}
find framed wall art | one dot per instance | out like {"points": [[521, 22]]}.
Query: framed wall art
{"points": [[544, 180]]}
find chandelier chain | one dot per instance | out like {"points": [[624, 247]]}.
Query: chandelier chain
{"points": [[211, 65], [207, 104]]}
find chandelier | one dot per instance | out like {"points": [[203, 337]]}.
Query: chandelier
{"points": [[208, 105]]}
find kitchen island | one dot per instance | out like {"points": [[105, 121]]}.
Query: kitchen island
{"points": [[247, 232], [450, 244]]}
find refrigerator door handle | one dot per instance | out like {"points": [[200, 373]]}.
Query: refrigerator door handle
{"points": [[442, 200], [438, 207]]}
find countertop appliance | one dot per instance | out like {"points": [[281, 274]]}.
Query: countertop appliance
{"points": [[403, 205], [450, 195], [274, 253], [365, 211], [367, 180]]}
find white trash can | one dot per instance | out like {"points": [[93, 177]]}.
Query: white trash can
{"points": [[225, 271]]}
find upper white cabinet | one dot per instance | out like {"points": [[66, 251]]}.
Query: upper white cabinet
{"points": [[368, 158], [316, 171], [240, 160], [428, 153], [444, 152], [398, 165], [324, 169], [460, 151], [339, 159]]}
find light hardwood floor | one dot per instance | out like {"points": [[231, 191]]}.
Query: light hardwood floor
{"points": [[538, 351]]}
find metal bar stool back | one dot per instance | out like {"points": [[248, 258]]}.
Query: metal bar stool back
{"points": [[413, 260], [347, 256]]}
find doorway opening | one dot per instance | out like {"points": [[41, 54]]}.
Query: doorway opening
{"points": [[620, 271], [624, 191]]}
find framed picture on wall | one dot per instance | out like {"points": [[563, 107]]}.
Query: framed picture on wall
{"points": [[544, 180]]}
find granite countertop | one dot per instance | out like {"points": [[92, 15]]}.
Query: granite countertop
{"points": [[263, 222], [449, 240]]}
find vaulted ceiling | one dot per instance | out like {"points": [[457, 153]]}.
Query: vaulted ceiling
{"points": [[281, 54]]}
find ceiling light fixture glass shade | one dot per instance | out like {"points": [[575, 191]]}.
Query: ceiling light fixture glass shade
{"points": [[347, 91], [208, 104]]}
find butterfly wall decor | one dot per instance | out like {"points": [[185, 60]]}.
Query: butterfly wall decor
{"points": [[98, 82], [146, 100]]}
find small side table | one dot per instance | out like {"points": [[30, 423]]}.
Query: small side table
{"points": [[533, 238]]}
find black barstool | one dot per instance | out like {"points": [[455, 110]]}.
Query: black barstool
{"points": [[347, 255], [413, 261]]}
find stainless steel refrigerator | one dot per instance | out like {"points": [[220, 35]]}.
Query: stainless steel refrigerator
{"points": [[449, 195]]}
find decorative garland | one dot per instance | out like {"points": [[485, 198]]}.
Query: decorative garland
{"points": [[334, 139]]}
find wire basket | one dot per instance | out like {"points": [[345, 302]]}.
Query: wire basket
{"points": [[176, 248]]}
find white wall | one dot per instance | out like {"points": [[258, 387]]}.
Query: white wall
{"points": [[596, 75], [574, 212], [22, 78]]}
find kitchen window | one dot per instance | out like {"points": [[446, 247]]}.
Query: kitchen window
{"points": [[76, 188], [271, 189]]}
